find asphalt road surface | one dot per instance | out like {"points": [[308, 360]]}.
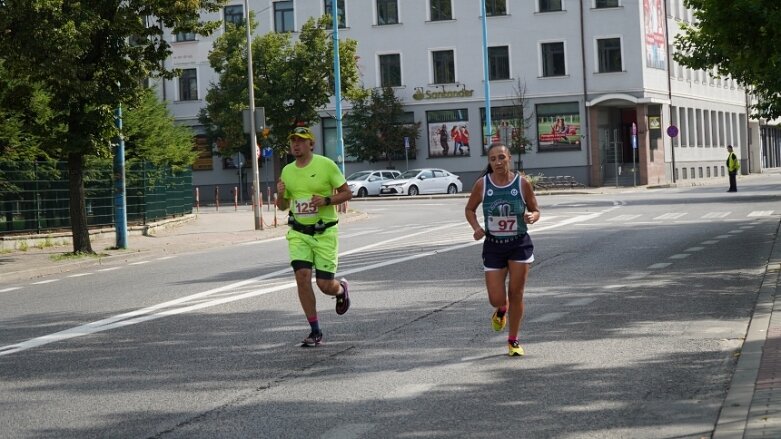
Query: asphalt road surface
{"points": [[636, 309]]}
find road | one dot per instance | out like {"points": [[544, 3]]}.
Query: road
{"points": [[637, 306]]}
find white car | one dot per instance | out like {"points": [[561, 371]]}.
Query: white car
{"points": [[423, 181], [365, 183]]}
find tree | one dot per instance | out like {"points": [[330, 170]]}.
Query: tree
{"points": [[737, 38], [522, 119], [293, 81], [91, 56], [376, 127], [151, 135]]}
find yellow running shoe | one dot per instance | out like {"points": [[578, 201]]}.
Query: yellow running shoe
{"points": [[515, 350], [497, 323]]}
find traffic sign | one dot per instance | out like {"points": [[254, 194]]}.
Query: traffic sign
{"points": [[267, 152], [672, 131]]}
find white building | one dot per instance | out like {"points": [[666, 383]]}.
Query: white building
{"points": [[594, 72]]}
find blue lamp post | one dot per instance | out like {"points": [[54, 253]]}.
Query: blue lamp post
{"points": [[486, 84]]}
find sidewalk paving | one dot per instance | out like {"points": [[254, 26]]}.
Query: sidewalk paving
{"points": [[751, 409]]}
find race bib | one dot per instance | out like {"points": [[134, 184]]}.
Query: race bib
{"points": [[502, 225], [304, 208]]}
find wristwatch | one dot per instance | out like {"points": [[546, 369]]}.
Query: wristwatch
{"points": [[327, 201]]}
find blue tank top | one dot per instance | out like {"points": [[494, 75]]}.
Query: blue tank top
{"points": [[503, 208]]}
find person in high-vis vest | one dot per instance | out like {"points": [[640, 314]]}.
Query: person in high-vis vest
{"points": [[509, 206], [732, 168]]}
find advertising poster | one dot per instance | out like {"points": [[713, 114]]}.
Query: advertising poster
{"points": [[448, 135], [558, 126], [506, 126], [655, 48]]}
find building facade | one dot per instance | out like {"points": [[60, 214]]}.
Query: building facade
{"points": [[603, 101]]}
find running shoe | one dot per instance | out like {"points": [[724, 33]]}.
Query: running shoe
{"points": [[312, 340], [497, 323], [515, 350], [343, 300]]}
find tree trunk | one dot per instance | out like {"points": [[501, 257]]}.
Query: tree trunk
{"points": [[78, 210]]}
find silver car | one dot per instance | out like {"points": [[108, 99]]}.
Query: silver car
{"points": [[423, 181], [365, 183]]}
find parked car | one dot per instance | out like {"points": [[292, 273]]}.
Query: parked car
{"points": [[365, 183], [423, 181]]}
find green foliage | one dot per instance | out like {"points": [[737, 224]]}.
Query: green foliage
{"points": [[738, 38], [293, 80], [375, 129], [152, 136], [87, 57]]}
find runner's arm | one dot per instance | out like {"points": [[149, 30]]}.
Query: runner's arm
{"points": [[470, 211], [532, 214]]}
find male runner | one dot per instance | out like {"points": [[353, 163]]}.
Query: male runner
{"points": [[306, 187]]}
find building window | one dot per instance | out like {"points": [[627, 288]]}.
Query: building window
{"points": [[444, 66], [498, 63], [600, 4], [390, 70], [234, 15], [550, 5], [283, 16], [188, 85], [609, 53], [495, 8], [185, 36], [441, 10], [340, 11], [553, 60], [387, 12]]}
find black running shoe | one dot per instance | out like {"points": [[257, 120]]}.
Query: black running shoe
{"points": [[312, 340], [343, 300]]}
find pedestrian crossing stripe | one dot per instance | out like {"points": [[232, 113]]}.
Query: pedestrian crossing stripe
{"points": [[671, 216], [761, 213], [716, 214]]}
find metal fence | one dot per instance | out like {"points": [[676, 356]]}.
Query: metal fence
{"points": [[34, 197]]}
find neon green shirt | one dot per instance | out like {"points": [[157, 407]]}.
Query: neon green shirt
{"points": [[319, 177]]}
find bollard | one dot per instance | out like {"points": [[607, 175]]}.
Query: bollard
{"points": [[197, 200], [235, 198], [217, 197]]}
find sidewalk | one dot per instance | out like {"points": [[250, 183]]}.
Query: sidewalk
{"points": [[208, 228], [751, 409]]}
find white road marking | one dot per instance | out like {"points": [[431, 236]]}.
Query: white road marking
{"points": [[660, 265], [109, 269], [186, 304], [761, 213], [723, 236], [670, 216], [709, 242], [5, 290], [694, 249], [581, 302], [262, 241], [735, 231], [165, 258], [80, 274], [551, 316], [716, 214], [637, 276], [623, 218], [680, 256], [44, 282]]}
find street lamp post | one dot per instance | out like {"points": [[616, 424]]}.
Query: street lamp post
{"points": [[337, 85], [252, 133], [486, 84]]}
